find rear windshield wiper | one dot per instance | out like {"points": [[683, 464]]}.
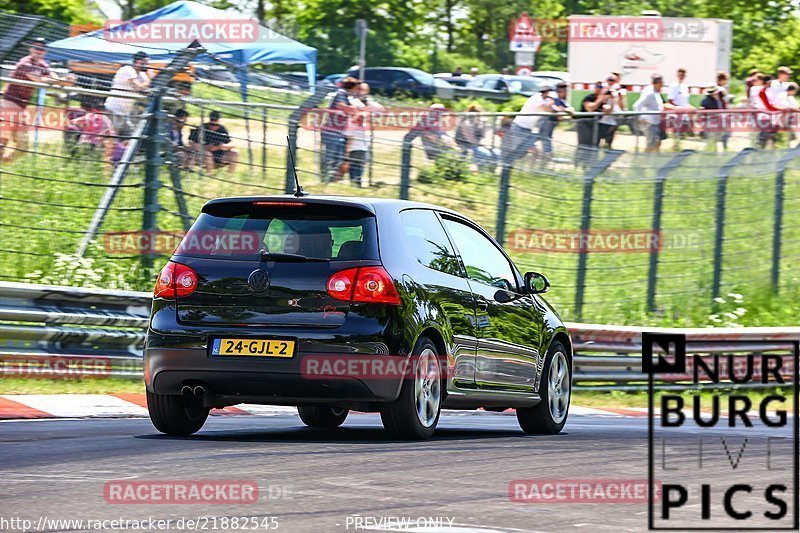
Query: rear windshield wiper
{"points": [[278, 256]]}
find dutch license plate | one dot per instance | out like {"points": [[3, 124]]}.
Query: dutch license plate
{"points": [[253, 347]]}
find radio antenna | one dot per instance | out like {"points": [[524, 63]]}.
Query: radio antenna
{"points": [[298, 189]]}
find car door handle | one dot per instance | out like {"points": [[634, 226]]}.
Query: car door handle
{"points": [[482, 303]]}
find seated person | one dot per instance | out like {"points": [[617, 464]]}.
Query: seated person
{"points": [[94, 129], [215, 144]]}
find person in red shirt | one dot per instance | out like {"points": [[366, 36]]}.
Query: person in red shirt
{"points": [[14, 118]]}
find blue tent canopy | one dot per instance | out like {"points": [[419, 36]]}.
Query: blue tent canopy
{"points": [[118, 43]]}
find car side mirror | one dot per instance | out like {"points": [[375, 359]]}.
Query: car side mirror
{"points": [[536, 283]]}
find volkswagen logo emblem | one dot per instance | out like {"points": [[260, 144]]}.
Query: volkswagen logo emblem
{"points": [[258, 281]]}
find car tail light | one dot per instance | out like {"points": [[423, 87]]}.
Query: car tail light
{"points": [[175, 280], [364, 285]]}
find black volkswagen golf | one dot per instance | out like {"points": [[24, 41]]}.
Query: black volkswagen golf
{"points": [[334, 304]]}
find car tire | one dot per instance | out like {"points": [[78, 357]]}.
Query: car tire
{"points": [[415, 413], [549, 416], [170, 414], [322, 416]]}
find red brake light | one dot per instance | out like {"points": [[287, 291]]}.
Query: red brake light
{"points": [[365, 285], [175, 280]]}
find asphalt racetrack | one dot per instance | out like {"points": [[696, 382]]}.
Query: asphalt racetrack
{"points": [[351, 478]]}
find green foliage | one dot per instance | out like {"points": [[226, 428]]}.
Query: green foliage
{"points": [[71, 11], [449, 166]]}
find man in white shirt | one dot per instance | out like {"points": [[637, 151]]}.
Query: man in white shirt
{"points": [[678, 97], [651, 100], [523, 133], [129, 78], [678, 91], [777, 88]]}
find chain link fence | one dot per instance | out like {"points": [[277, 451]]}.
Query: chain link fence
{"points": [[622, 233]]}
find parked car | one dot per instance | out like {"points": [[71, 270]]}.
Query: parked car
{"points": [[457, 81], [501, 87], [365, 285], [391, 81]]}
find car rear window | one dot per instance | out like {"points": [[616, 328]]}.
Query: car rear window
{"points": [[239, 230]]}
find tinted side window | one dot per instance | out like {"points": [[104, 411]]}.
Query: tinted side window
{"points": [[428, 241], [485, 263]]}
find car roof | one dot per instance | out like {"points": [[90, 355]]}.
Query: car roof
{"points": [[372, 205]]}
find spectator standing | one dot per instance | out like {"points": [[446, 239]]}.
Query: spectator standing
{"points": [[131, 78], [356, 133], [523, 133], [756, 85], [678, 98], [652, 100], [761, 96], [14, 118], [616, 99], [587, 127], [333, 130], [712, 101], [779, 85], [215, 139], [557, 104], [458, 72], [752, 76]]}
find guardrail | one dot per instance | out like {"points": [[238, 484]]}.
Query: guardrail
{"points": [[44, 323]]}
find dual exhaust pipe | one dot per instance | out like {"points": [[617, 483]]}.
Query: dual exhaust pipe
{"points": [[198, 391]]}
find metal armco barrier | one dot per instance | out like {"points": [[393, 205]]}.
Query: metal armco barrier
{"points": [[42, 322], [43, 326]]}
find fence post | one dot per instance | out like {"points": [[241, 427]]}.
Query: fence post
{"points": [[658, 204], [502, 203], [405, 165], [777, 233], [153, 142], [722, 186], [264, 118], [586, 222]]}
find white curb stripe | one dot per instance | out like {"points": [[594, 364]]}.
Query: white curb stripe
{"points": [[79, 405]]}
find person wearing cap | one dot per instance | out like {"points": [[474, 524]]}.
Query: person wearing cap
{"points": [[594, 102], [651, 100], [712, 101], [131, 78], [215, 141], [14, 118], [777, 87], [334, 140], [524, 130]]}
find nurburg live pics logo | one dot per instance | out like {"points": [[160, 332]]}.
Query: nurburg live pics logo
{"points": [[716, 472]]}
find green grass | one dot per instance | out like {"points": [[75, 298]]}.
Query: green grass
{"points": [[70, 386], [47, 201]]}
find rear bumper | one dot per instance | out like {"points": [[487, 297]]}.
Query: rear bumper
{"points": [[260, 380]]}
